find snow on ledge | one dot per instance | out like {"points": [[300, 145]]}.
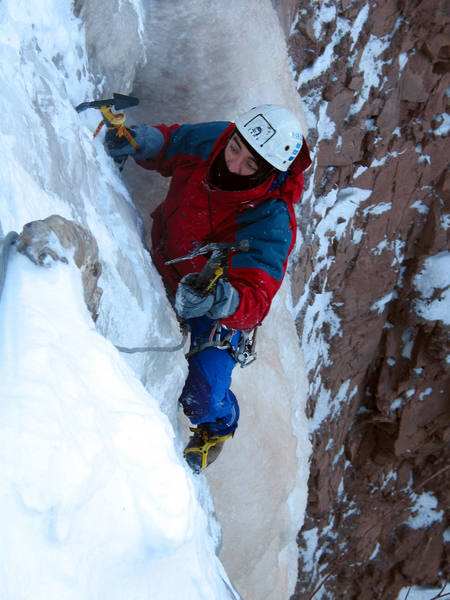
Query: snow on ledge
{"points": [[434, 280]]}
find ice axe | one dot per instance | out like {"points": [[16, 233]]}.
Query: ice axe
{"points": [[214, 267], [113, 120], [119, 101]]}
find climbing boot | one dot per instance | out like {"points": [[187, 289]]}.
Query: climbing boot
{"points": [[203, 448]]}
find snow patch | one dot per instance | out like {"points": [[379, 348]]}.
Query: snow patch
{"points": [[325, 126], [323, 62], [328, 407], [434, 279], [420, 207], [358, 24], [375, 551], [424, 394], [379, 248], [424, 513], [337, 209], [357, 236], [359, 171], [402, 60], [317, 314], [311, 538], [444, 127], [408, 338], [371, 67], [381, 304], [325, 14], [396, 404], [425, 592], [378, 162], [378, 209]]}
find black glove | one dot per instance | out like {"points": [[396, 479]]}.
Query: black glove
{"points": [[149, 140], [190, 302]]}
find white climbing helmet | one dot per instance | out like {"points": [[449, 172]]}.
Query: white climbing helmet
{"points": [[274, 132]]}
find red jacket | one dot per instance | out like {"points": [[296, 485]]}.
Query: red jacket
{"points": [[195, 213]]}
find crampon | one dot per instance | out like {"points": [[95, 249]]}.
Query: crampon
{"points": [[203, 448]]}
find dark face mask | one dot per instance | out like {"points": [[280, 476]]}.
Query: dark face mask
{"points": [[222, 178]]}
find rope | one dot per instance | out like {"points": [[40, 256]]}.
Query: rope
{"points": [[205, 345], [154, 348], [5, 247]]}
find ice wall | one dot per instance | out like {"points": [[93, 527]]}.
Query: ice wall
{"points": [[96, 500], [114, 33], [53, 166], [210, 61]]}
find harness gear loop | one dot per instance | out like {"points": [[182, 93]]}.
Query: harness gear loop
{"points": [[246, 353]]}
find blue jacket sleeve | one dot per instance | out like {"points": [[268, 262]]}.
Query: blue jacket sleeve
{"points": [[184, 143]]}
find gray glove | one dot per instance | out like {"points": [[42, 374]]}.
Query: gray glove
{"points": [[191, 304], [149, 140]]}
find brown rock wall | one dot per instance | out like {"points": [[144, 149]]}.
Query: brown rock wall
{"points": [[382, 457]]}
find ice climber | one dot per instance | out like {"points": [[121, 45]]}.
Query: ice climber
{"points": [[233, 183]]}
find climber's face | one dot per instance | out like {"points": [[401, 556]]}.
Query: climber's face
{"points": [[238, 158]]}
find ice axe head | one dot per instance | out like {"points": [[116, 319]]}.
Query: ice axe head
{"points": [[112, 120], [119, 101]]}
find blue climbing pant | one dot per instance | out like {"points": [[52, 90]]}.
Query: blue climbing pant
{"points": [[206, 397]]}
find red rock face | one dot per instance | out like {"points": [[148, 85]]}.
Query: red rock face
{"points": [[375, 211]]}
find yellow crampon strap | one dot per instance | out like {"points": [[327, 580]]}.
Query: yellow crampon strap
{"points": [[208, 443], [115, 121]]}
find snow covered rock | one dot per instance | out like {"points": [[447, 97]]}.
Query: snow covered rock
{"points": [[58, 239]]}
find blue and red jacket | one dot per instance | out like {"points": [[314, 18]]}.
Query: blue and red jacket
{"points": [[195, 213]]}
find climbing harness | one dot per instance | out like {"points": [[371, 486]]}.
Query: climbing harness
{"points": [[245, 352], [113, 120]]}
